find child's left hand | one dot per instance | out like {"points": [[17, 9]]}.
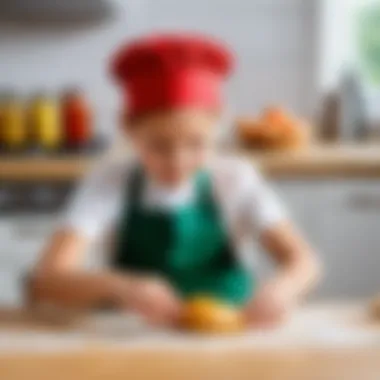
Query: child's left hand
{"points": [[271, 306]]}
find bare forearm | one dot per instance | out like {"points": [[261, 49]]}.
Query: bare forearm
{"points": [[57, 277], [76, 289], [299, 277], [299, 267]]}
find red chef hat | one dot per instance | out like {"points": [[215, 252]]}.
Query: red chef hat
{"points": [[167, 71]]}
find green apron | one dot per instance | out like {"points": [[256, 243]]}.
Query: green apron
{"points": [[188, 246]]}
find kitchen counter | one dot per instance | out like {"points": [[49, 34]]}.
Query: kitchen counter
{"points": [[321, 341], [352, 161]]}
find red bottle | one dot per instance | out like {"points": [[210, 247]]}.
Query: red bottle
{"points": [[77, 120]]}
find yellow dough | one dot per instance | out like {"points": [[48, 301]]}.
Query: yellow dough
{"points": [[206, 315]]}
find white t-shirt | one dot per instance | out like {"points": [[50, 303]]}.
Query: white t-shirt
{"points": [[248, 205]]}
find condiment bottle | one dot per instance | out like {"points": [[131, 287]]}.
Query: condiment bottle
{"points": [[13, 128], [77, 120], [45, 123]]}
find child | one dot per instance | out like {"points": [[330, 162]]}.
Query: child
{"points": [[180, 211]]}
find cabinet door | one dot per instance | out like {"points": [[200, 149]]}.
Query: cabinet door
{"points": [[342, 220], [351, 231]]}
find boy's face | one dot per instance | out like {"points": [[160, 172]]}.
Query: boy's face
{"points": [[173, 145]]}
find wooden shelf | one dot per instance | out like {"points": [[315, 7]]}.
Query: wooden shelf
{"points": [[337, 161], [54, 169]]}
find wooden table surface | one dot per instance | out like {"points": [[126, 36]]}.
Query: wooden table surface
{"points": [[321, 342], [318, 161]]}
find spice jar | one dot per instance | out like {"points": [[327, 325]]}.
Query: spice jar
{"points": [[45, 122], [13, 128], [77, 120]]}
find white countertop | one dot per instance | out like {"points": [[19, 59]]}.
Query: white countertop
{"points": [[322, 326]]}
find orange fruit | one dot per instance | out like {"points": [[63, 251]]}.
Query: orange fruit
{"points": [[202, 314]]}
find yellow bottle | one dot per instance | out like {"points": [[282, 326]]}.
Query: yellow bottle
{"points": [[45, 123], [13, 126]]}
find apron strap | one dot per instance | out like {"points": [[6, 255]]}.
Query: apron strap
{"points": [[205, 194], [135, 186]]}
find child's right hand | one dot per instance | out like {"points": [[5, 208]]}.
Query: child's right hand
{"points": [[151, 297]]}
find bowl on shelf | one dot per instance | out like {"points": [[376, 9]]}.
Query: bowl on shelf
{"points": [[274, 129]]}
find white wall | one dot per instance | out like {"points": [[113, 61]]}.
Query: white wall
{"points": [[337, 39], [274, 39]]}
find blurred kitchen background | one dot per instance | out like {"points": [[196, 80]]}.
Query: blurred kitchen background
{"points": [[303, 104]]}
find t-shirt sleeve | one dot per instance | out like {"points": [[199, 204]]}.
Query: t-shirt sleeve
{"points": [[261, 204], [97, 201]]}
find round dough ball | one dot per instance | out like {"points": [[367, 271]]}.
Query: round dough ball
{"points": [[206, 315]]}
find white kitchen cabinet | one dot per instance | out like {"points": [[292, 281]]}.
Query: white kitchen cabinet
{"points": [[342, 220]]}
